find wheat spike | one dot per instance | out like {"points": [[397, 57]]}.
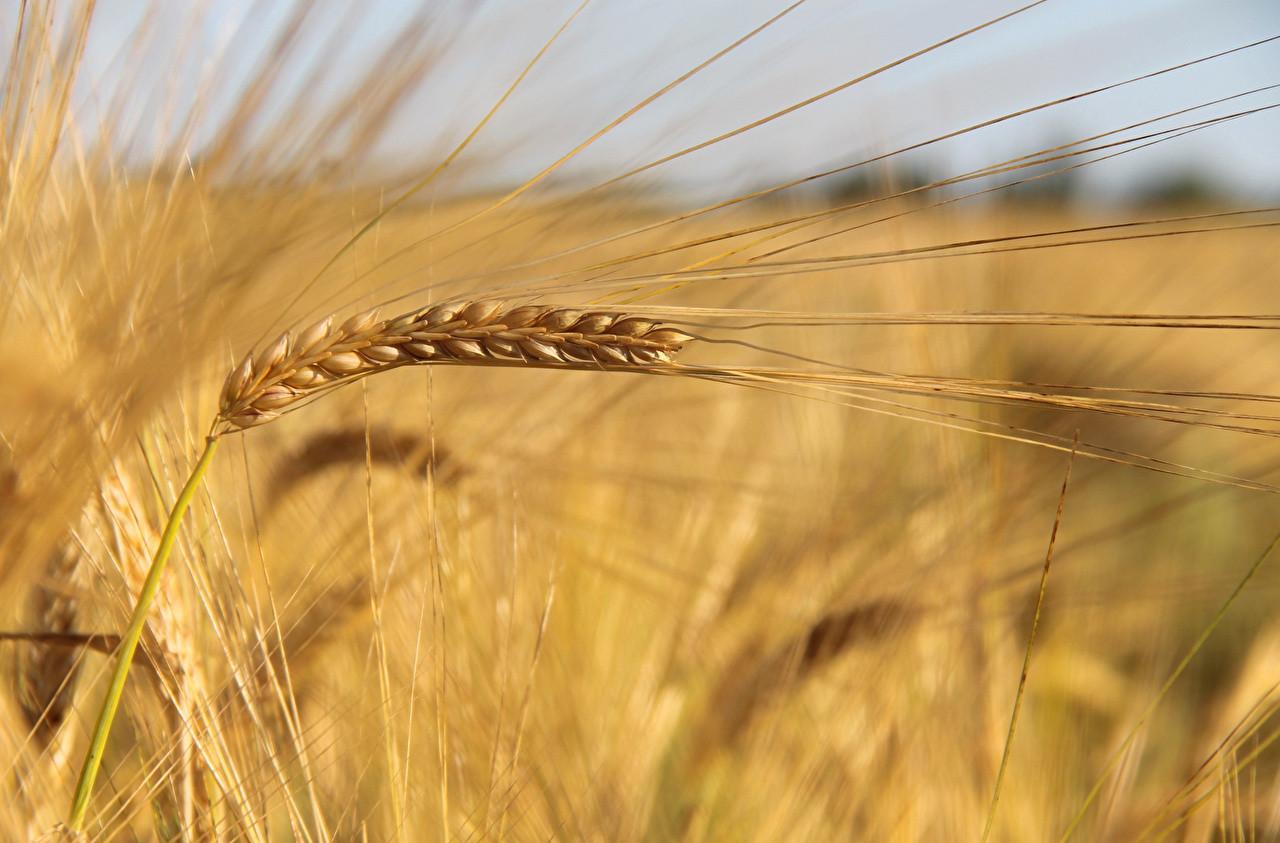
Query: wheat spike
{"points": [[472, 333], [47, 671]]}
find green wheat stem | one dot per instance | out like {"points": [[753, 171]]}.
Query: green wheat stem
{"points": [[129, 643]]}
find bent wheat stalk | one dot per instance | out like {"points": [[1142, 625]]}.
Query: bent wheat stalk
{"points": [[300, 366]]}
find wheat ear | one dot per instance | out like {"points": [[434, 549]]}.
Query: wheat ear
{"points": [[48, 671], [298, 366], [45, 671]]}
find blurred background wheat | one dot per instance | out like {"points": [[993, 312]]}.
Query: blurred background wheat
{"points": [[934, 255]]}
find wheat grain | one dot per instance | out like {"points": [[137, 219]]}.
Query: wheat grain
{"points": [[298, 365]]}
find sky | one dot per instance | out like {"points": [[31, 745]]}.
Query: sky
{"points": [[618, 52]]}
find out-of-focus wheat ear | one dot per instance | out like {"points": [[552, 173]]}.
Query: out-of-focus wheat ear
{"points": [[757, 680], [47, 672], [409, 451], [476, 333], [759, 677]]}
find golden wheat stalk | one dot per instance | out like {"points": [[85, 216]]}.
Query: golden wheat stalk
{"points": [[297, 366], [301, 365]]}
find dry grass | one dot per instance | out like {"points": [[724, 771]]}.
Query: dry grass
{"points": [[782, 592]]}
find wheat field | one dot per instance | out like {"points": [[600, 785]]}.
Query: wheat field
{"points": [[912, 508]]}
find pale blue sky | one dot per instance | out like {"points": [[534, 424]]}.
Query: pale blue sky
{"points": [[619, 51]]}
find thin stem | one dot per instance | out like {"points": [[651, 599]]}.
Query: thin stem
{"points": [[129, 643], [1031, 640]]}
